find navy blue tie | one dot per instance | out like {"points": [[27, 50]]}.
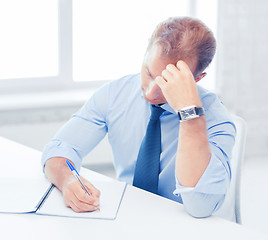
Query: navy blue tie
{"points": [[148, 162]]}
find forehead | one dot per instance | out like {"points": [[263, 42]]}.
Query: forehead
{"points": [[155, 61]]}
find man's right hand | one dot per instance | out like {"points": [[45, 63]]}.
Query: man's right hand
{"points": [[76, 198], [74, 195]]}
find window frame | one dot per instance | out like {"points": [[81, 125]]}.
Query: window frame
{"points": [[64, 80]]}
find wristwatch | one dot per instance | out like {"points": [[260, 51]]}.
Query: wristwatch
{"points": [[190, 112]]}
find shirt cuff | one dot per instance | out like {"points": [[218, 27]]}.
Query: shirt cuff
{"points": [[215, 179], [57, 148]]}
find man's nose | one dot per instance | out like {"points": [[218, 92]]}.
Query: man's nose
{"points": [[153, 91]]}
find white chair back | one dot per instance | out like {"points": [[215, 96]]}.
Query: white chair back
{"points": [[230, 208]]}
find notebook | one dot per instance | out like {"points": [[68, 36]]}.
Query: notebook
{"points": [[38, 196]]}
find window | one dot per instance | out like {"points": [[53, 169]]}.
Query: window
{"points": [[111, 36], [29, 38], [55, 45]]}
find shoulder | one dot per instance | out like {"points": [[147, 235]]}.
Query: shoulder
{"points": [[118, 94], [209, 99], [119, 87], [207, 96], [114, 89], [214, 107], [124, 88], [127, 81]]}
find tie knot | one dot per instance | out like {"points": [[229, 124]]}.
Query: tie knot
{"points": [[156, 112]]}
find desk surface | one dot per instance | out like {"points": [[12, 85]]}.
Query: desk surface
{"points": [[142, 215]]}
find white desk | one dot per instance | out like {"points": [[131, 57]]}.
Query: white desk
{"points": [[141, 216]]}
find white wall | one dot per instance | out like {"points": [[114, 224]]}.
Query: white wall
{"points": [[243, 83], [242, 67]]}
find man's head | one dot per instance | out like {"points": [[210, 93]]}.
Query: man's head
{"points": [[176, 39]]}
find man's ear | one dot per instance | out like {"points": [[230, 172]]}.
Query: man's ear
{"points": [[200, 77]]}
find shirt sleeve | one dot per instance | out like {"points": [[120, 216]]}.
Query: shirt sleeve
{"points": [[216, 177], [209, 192], [82, 132]]}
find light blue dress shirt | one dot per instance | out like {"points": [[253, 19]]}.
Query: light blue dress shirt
{"points": [[119, 109]]}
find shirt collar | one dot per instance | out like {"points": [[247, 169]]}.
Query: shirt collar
{"points": [[165, 106]]}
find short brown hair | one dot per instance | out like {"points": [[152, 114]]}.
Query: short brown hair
{"points": [[185, 38]]}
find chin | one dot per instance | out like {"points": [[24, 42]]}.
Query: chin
{"points": [[155, 101]]}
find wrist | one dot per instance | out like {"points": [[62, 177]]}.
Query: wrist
{"points": [[58, 172], [190, 112], [181, 105]]}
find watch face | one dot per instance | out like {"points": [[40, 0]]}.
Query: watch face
{"points": [[188, 114]]}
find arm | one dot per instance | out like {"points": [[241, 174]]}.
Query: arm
{"points": [[73, 141], [202, 170], [193, 154]]}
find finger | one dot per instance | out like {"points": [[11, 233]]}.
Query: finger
{"points": [[76, 189], [73, 206], [172, 69], [94, 192], [73, 202], [82, 196], [182, 66], [167, 75], [160, 81], [81, 207], [84, 207], [92, 189]]}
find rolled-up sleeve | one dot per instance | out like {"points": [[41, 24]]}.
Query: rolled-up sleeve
{"points": [[208, 194], [82, 132]]}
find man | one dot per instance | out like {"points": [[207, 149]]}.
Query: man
{"points": [[193, 164]]}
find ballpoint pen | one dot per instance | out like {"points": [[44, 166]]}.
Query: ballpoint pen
{"points": [[77, 175]]}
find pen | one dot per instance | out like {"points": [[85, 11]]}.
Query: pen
{"points": [[76, 174]]}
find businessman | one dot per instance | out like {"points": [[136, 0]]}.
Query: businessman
{"points": [[168, 135]]}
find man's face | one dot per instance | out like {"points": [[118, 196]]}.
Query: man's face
{"points": [[153, 65]]}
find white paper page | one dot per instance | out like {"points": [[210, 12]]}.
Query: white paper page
{"points": [[21, 195], [111, 194]]}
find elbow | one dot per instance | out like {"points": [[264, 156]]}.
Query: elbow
{"points": [[201, 205], [198, 213]]}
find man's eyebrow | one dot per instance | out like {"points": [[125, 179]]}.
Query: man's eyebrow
{"points": [[148, 71]]}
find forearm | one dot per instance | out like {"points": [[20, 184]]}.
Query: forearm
{"points": [[193, 153], [57, 171]]}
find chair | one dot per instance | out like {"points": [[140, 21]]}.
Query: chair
{"points": [[230, 208]]}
